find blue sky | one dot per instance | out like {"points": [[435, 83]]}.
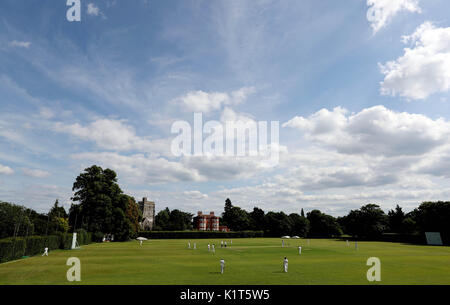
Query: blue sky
{"points": [[363, 101]]}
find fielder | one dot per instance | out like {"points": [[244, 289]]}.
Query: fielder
{"points": [[45, 251], [209, 247], [222, 265], [189, 244], [299, 250], [195, 246], [285, 264], [214, 248]]}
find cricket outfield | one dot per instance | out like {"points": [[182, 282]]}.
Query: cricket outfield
{"points": [[255, 261]]}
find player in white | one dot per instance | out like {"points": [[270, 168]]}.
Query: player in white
{"points": [[195, 246], [214, 248], [45, 251], [221, 244], [189, 244], [209, 247], [299, 250], [285, 264], [222, 265], [225, 244]]}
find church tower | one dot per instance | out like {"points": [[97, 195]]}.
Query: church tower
{"points": [[148, 214]]}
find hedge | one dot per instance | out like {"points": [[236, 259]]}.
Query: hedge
{"points": [[199, 234], [15, 248]]}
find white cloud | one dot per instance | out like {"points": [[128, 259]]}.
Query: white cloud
{"points": [[195, 195], [375, 131], [381, 12], [6, 170], [93, 10], [46, 113], [35, 173], [200, 101], [20, 44], [423, 69], [114, 135], [141, 169]]}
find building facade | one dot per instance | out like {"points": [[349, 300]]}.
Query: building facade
{"points": [[209, 222], [148, 214]]}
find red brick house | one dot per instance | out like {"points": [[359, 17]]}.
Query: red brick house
{"points": [[208, 222]]}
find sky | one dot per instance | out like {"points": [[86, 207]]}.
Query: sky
{"points": [[360, 90]]}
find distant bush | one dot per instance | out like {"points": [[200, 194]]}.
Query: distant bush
{"points": [[199, 234], [14, 248]]}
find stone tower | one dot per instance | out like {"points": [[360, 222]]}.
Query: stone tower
{"points": [[148, 214]]}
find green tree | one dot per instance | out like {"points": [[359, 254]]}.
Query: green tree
{"points": [[162, 220], [180, 221], [57, 219], [237, 219], [395, 219], [257, 219], [300, 225], [369, 222], [133, 213], [277, 224], [323, 225], [434, 217], [226, 215], [103, 205]]}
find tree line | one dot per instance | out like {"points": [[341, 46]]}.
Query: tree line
{"points": [[102, 208], [369, 222]]}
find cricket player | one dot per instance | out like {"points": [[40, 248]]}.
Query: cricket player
{"points": [[222, 265], [45, 251], [299, 250], [140, 242], [209, 247], [225, 244], [214, 248], [221, 244], [285, 264], [195, 246]]}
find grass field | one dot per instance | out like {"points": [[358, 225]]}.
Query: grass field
{"points": [[248, 261]]}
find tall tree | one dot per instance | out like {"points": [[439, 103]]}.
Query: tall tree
{"points": [[277, 224], [102, 204], [226, 215], [395, 219], [369, 222], [162, 220], [322, 225], [434, 217], [257, 219], [300, 225]]}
